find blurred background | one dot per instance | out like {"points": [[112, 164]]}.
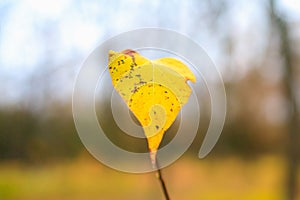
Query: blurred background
{"points": [[255, 45]]}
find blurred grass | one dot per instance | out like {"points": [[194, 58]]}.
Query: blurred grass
{"points": [[188, 178]]}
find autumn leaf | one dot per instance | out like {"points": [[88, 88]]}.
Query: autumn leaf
{"points": [[154, 90]]}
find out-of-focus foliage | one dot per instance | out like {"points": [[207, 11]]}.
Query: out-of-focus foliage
{"points": [[42, 44], [56, 37], [27, 136]]}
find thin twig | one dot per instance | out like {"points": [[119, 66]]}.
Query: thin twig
{"points": [[162, 182]]}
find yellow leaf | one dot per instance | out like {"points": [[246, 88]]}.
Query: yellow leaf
{"points": [[154, 91]]}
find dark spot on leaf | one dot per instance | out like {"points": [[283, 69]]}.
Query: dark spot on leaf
{"points": [[157, 127], [171, 110], [135, 89]]}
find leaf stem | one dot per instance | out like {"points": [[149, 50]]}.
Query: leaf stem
{"points": [[162, 182]]}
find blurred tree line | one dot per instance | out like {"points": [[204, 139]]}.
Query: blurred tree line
{"points": [[31, 137]]}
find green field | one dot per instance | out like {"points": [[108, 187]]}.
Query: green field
{"points": [[85, 178]]}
